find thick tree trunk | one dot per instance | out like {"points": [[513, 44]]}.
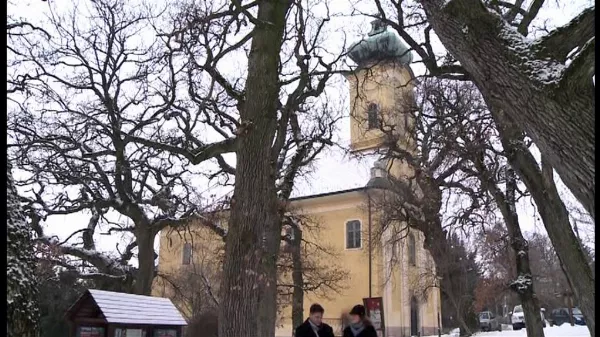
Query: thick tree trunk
{"points": [[558, 116], [555, 216], [297, 279], [249, 287], [523, 285], [145, 273], [435, 241], [437, 244], [464, 327]]}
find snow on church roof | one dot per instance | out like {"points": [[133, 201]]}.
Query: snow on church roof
{"points": [[125, 308]]}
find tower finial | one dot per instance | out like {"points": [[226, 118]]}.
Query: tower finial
{"points": [[377, 26]]}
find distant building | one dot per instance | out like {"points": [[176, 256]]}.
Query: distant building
{"points": [[381, 89]]}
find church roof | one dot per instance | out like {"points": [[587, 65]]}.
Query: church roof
{"points": [[122, 308], [327, 194], [335, 172]]}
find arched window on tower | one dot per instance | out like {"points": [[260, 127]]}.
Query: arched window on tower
{"points": [[373, 116], [412, 250], [186, 257]]}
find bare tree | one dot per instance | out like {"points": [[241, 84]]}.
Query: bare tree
{"points": [[409, 18], [548, 273], [308, 265], [269, 117], [467, 146], [539, 179], [433, 148], [550, 91], [96, 90], [22, 286], [489, 168], [496, 258], [304, 267], [194, 290], [458, 292]]}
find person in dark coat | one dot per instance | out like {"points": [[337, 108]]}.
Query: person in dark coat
{"points": [[314, 326], [360, 325]]}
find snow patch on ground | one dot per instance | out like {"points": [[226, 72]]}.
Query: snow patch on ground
{"points": [[564, 330]]}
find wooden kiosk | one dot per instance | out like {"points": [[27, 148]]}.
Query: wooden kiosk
{"points": [[99, 313]]}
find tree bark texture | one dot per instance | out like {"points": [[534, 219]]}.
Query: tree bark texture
{"points": [[461, 321], [145, 273], [435, 241], [297, 279], [556, 110], [248, 292], [555, 216], [437, 244], [523, 285]]}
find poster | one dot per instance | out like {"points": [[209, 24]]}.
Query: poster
{"points": [[120, 332], [133, 333], [374, 306], [87, 331], [165, 333]]}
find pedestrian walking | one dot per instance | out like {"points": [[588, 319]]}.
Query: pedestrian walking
{"points": [[314, 326], [360, 325]]}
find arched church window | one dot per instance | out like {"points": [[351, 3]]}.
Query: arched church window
{"points": [[412, 250], [373, 116]]}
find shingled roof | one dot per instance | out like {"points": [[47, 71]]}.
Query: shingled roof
{"points": [[124, 308]]}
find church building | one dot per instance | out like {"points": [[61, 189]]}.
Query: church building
{"points": [[381, 90]]}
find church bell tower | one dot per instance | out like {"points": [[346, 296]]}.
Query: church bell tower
{"points": [[381, 90]]}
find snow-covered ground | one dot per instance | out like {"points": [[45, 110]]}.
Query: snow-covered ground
{"points": [[557, 331]]}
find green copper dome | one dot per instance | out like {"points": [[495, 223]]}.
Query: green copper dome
{"points": [[381, 44]]}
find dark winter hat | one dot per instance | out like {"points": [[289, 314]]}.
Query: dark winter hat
{"points": [[358, 310]]}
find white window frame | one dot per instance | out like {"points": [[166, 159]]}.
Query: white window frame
{"points": [[360, 246]]}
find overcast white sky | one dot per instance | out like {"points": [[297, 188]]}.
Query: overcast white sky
{"points": [[333, 170]]}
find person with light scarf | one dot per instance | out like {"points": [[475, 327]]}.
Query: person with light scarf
{"points": [[360, 325]]}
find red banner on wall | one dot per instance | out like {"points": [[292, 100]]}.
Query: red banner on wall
{"points": [[374, 306]]}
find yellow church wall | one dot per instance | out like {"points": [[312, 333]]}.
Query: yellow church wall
{"points": [[389, 85], [206, 246], [332, 213], [207, 249], [406, 280]]}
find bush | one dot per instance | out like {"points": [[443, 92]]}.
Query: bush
{"points": [[203, 325]]}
